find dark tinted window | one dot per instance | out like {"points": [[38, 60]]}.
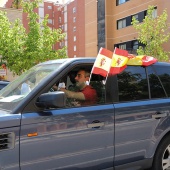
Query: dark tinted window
{"points": [[163, 71], [132, 84]]}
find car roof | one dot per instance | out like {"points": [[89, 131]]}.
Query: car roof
{"points": [[68, 60], [85, 59]]}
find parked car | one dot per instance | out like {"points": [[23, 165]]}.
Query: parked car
{"points": [[3, 84], [129, 127]]}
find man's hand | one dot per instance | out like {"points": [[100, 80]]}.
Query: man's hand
{"points": [[55, 88], [60, 86]]}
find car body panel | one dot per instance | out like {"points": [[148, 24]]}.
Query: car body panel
{"points": [[121, 135], [9, 124], [66, 141], [135, 129]]}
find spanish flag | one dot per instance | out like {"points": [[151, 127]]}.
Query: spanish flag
{"points": [[142, 60], [119, 61], [102, 62]]}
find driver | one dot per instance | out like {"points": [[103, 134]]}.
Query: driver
{"points": [[85, 94]]}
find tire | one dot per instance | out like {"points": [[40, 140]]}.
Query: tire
{"points": [[162, 156]]}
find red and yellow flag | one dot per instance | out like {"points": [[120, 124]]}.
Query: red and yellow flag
{"points": [[102, 62], [114, 63], [142, 60], [119, 61]]}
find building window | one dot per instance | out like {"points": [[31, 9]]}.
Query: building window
{"points": [[74, 19], [121, 23], [50, 21], [136, 16], [74, 48], [135, 45], [118, 2], [130, 46], [61, 44], [49, 7], [125, 22], [133, 78], [154, 14], [74, 56], [59, 19], [74, 29], [74, 38], [74, 10], [122, 46]]}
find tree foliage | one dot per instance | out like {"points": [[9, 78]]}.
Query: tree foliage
{"points": [[153, 32], [16, 4], [21, 49]]}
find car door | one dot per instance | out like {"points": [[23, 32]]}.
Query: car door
{"points": [[136, 116], [67, 138]]}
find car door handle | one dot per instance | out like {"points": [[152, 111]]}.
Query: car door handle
{"points": [[159, 115], [95, 125]]}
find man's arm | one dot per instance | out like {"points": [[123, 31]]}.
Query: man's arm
{"points": [[73, 95]]}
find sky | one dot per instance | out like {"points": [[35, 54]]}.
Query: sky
{"points": [[2, 2]]}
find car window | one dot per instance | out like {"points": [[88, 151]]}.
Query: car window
{"points": [[132, 84], [68, 82], [18, 89], [163, 83]]}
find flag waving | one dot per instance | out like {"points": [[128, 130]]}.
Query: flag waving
{"points": [[102, 62], [108, 62], [141, 60], [119, 61]]}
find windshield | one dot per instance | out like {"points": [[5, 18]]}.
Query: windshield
{"points": [[24, 84]]}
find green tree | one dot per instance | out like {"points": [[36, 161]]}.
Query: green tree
{"points": [[16, 4], [153, 32], [21, 49]]}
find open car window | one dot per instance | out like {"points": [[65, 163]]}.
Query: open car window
{"points": [[18, 89]]}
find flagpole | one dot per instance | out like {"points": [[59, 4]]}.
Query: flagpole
{"points": [[90, 77]]}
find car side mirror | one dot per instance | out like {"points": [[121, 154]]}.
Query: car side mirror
{"points": [[52, 100]]}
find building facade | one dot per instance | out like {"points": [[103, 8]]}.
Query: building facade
{"points": [[91, 24], [70, 18], [108, 23]]}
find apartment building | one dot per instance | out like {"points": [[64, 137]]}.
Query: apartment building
{"points": [[70, 17], [108, 23], [91, 24]]}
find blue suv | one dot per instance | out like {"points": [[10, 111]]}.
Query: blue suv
{"points": [[128, 128]]}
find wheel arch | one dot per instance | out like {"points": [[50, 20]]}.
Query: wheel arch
{"points": [[156, 141]]}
